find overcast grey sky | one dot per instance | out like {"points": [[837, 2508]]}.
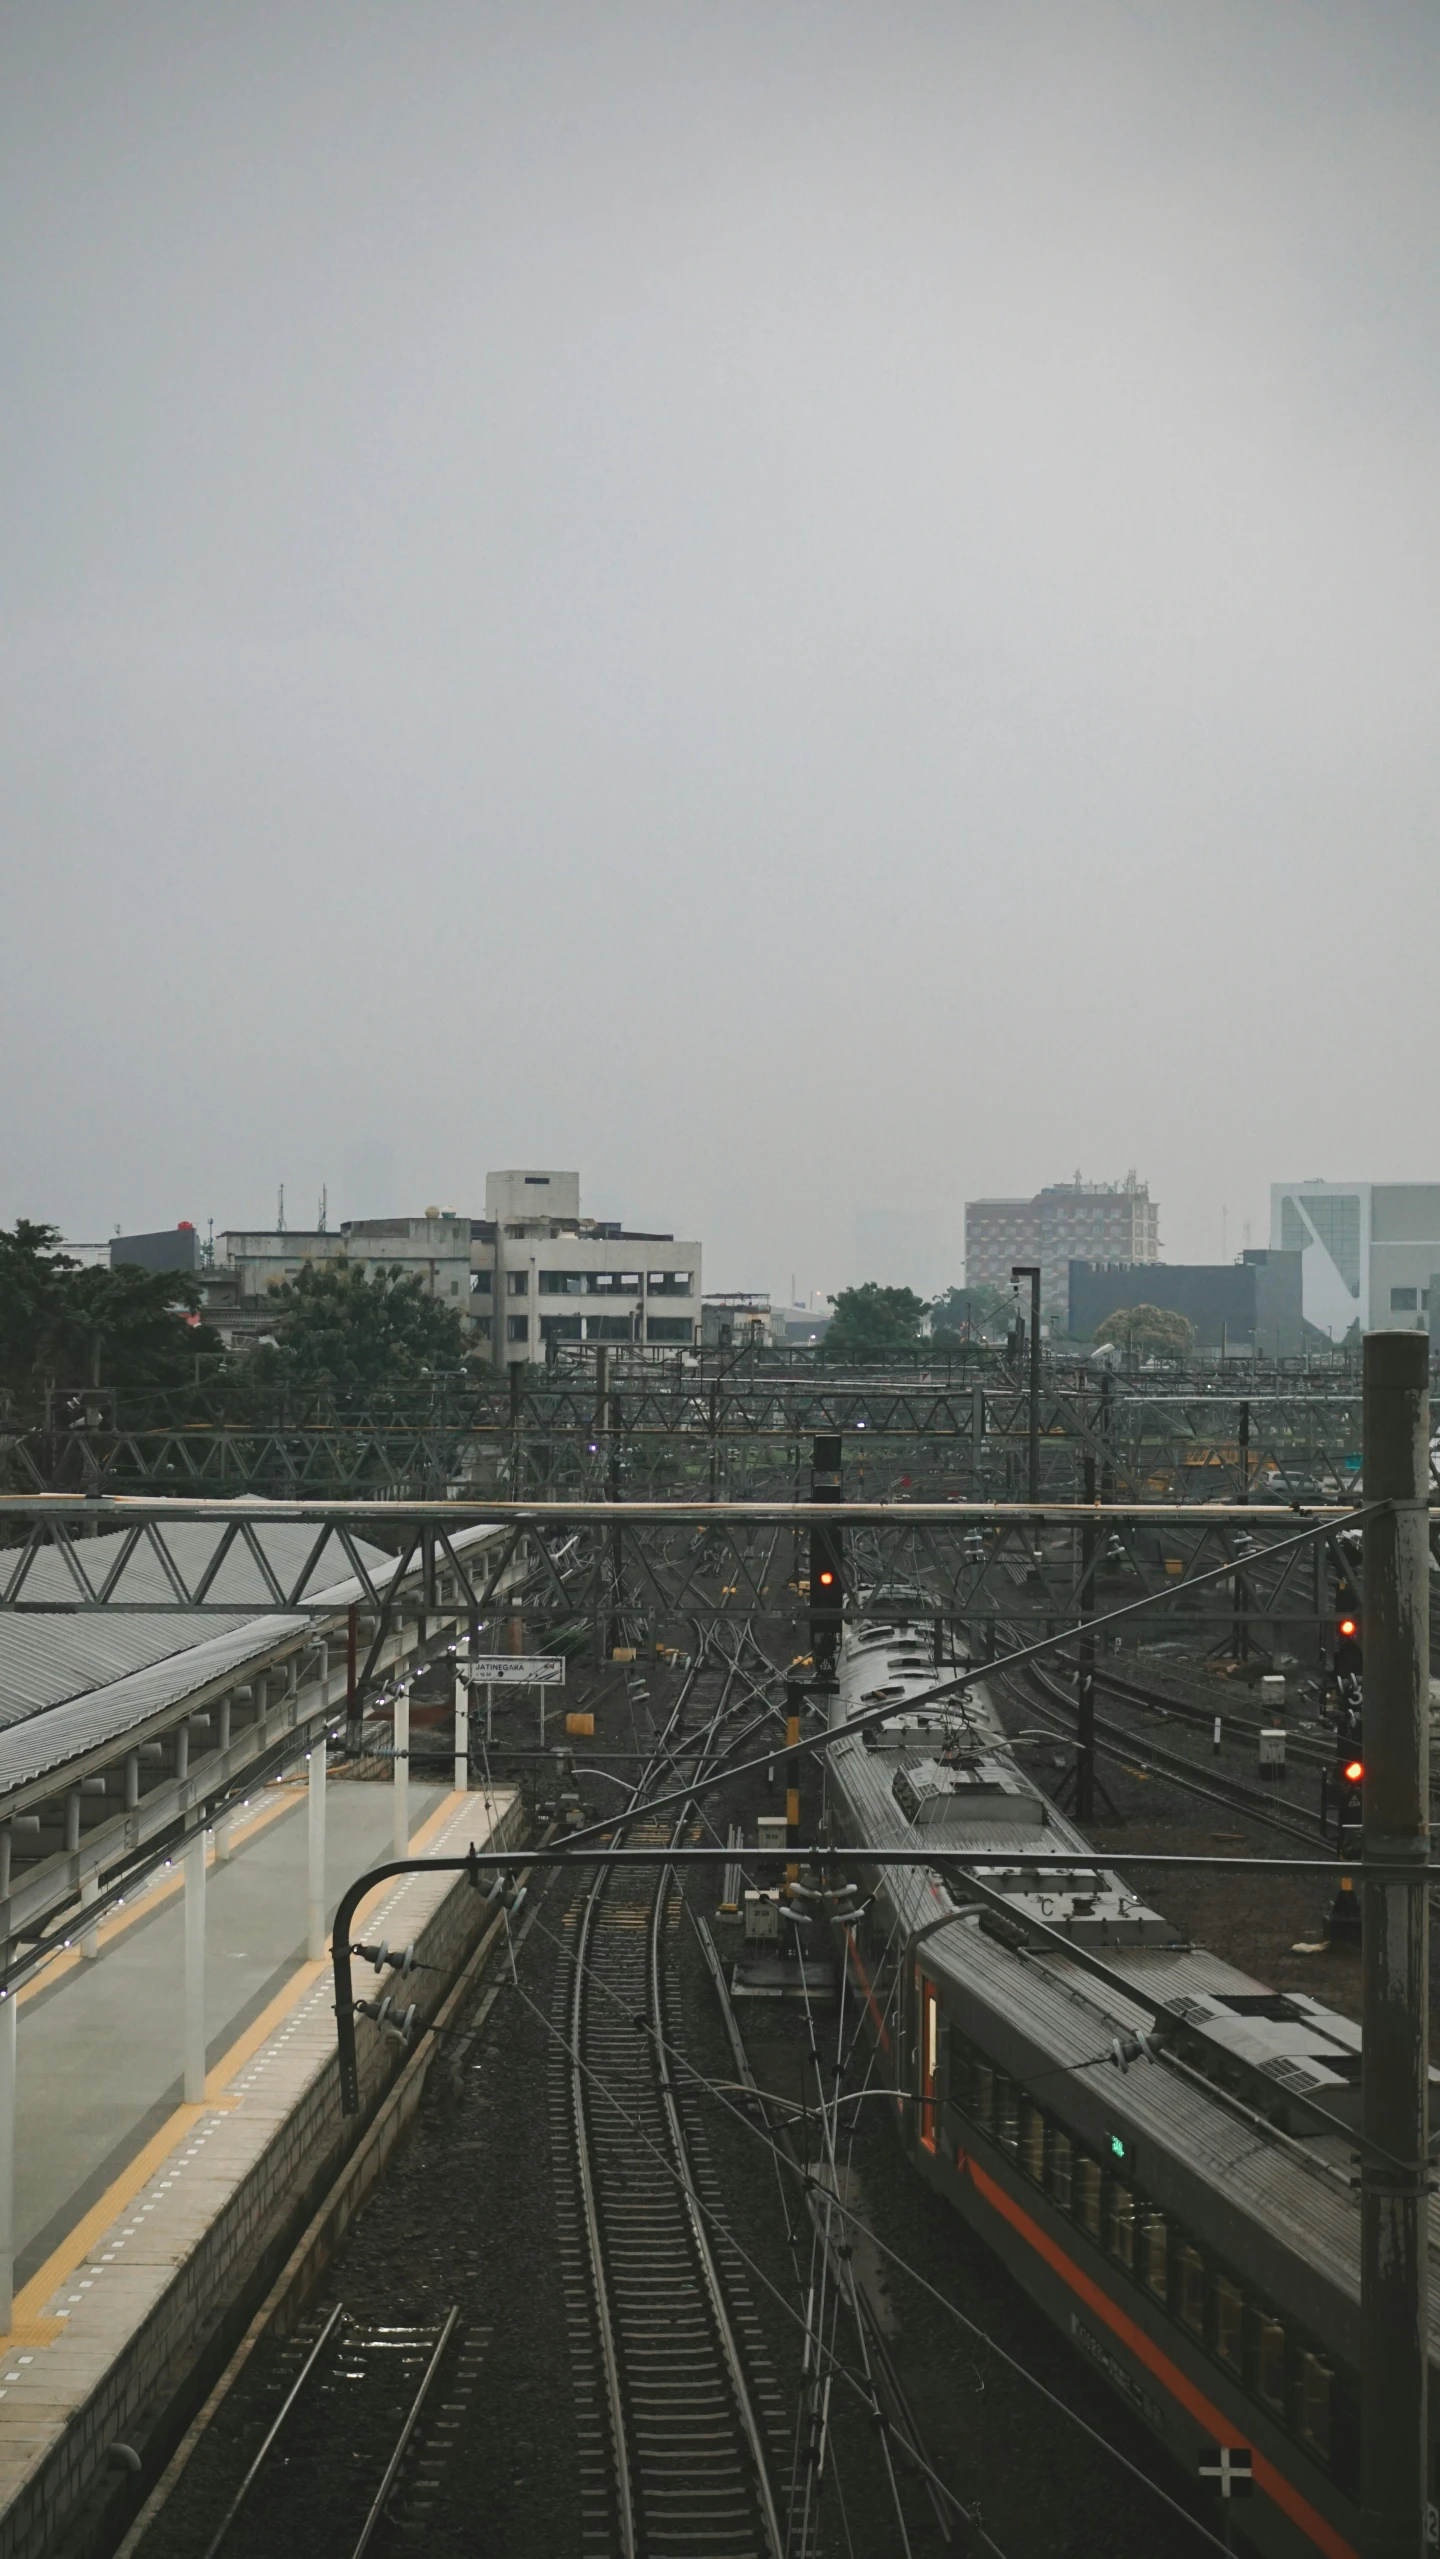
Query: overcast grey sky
{"points": [[814, 608]]}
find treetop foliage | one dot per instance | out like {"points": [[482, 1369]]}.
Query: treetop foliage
{"points": [[872, 1318], [969, 1314], [61, 1325], [1147, 1328], [336, 1326]]}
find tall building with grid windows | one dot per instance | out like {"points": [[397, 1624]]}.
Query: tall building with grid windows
{"points": [[1067, 1221], [1371, 1251]]}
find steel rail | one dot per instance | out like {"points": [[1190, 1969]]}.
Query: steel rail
{"points": [[629, 2477], [416, 2410], [262, 2456], [700, 2237]]}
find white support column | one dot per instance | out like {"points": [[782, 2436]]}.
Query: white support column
{"points": [[9, 2011], [315, 1887], [402, 1776], [462, 1735], [195, 1969], [90, 1937], [315, 1812]]}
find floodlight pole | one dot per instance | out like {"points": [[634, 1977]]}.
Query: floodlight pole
{"points": [[1394, 2250]]}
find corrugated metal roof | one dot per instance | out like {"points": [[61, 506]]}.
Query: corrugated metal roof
{"points": [[46, 1660], [68, 1684]]}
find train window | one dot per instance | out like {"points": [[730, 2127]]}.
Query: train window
{"points": [[1007, 2113], [1190, 2269], [1087, 2195], [1032, 2142], [1316, 2379], [1270, 2361], [1120, 2223], [1062, 2169], [1229, 2323], [1155, 2254]]}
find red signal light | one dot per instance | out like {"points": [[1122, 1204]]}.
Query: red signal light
{"points": [[1354, 1771], [826, 1577], [1349, 1626]]}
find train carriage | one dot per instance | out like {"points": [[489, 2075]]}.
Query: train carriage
{"points": [[1160, 2148]]}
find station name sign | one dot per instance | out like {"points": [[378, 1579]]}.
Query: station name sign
{"points": [[513, 1670]]}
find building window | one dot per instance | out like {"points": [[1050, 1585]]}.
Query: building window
{"points": [[481, 1328], [669, 1328], [668, 1283], [589, 1283], [1404, 1301], [519, 1283], [609, 1328], [553, 1328], [481, 1283], [517, 1328]]}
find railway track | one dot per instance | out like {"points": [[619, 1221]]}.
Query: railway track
{"points": [[1120, 1741], [399, 2393], [679, 2415]]}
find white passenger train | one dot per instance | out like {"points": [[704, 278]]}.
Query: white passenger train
{"points": [[1180, 2206]]}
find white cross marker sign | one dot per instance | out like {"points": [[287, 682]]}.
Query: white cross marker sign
{"points": [[1230, 2466]]}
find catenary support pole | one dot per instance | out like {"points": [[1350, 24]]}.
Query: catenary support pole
{"points": [[1085, 1678], [1395, 1951], [90, 1937], [1031, 1271], [9, 2017], [462, 1733], [194, 2077], [402, 1776]]}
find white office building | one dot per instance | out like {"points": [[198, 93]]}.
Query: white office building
{"points": [[542, 1274], [1371, 1251], [532, 1271]]}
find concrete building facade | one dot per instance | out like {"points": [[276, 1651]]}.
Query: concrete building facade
{"points": [[1067, 1221], [542, 1274], [1252, 1306], [1370, 1251], [531, 1272]]}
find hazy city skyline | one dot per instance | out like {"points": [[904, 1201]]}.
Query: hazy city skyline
{"points": [[815, 612]]}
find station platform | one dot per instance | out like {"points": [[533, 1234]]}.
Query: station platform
{"points": [[140, 2218]]}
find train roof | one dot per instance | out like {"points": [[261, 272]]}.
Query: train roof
{"points": [[1236, 2054]]}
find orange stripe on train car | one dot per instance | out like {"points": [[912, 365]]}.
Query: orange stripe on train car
{"points": [[1274, 2483]]}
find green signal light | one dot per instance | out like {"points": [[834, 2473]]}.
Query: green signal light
{"points": [[1118, 2148]]}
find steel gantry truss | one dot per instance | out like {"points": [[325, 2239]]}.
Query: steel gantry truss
{"points": [[654, 1571], [744, 1434]]}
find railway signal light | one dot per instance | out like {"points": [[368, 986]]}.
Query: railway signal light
{"points": [[1349, 1655]]}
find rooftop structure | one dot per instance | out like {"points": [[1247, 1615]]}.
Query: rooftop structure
{"points": [[1248, 1306], [1079, 1221], [531, 1272]]}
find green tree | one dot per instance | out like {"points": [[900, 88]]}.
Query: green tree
{"points": [[336, 1326], [971, 1314], [871, 1318], [1147, 1330], [127, 1328]]}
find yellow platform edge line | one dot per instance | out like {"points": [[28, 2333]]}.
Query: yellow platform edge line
{"points": [[75, 2247]]}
